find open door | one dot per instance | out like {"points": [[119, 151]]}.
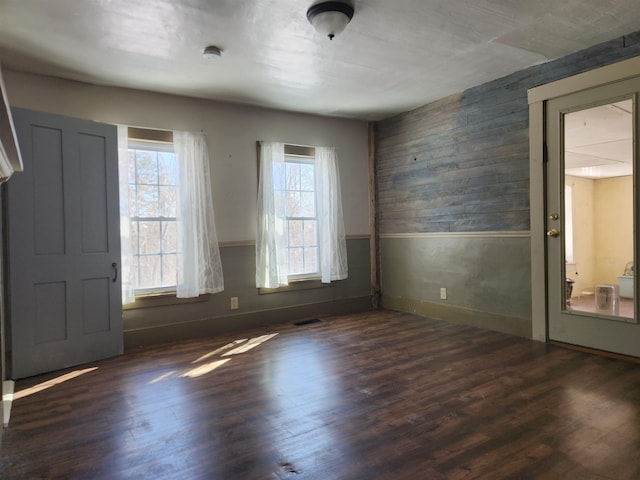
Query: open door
{"points": [[592, 214], [64, 244]]}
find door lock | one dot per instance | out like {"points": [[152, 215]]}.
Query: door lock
{"points": [[554, 216], [554, 232]]}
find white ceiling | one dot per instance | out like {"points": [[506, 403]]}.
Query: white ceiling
{"points": [[598, 141], [394, 56]]}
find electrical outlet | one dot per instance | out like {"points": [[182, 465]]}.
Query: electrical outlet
{"points": [[443, 293], [234, 303]]}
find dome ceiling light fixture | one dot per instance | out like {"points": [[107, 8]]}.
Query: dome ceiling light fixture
{"points": [[330, 18]]}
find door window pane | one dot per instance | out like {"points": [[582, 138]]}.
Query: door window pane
{"points": [[598, 229]]}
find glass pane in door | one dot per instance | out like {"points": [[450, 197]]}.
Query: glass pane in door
{"points": [[598, 215]]}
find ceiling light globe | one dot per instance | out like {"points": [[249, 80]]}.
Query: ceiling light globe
{"points": [[330, 18]]}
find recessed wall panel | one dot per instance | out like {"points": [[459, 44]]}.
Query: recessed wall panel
{"points": [[93, 190], [50, 312], [95, 301], [48, 191]]}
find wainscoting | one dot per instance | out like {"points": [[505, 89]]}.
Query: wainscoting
{"points": [[148, 325], [488, 285]]}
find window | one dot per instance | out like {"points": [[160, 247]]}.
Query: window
{"points": [[167, 226], [300, 226], [153, 203], [296, 187]]}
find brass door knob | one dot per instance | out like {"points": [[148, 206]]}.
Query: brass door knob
{"points": [[554, 232]]}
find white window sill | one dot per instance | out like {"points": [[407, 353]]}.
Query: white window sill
{"points": [[295, 285], [161, 299]]}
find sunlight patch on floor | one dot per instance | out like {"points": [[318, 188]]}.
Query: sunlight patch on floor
{"points": [[237, 347], [164, 376], [204, 369], [251, 344], [51, 383], [221, 349]]}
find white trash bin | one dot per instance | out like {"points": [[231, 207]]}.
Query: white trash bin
{"points": [[607, 299]]}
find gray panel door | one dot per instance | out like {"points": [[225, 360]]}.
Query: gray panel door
{"points": [[65, 304]]}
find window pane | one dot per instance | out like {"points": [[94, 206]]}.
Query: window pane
{"points": [[293, 204], [149, 271], [168, 202], [295, 233], [307, 204], [169, 237], [279, 198], [167, 169], [146, 167], [293, 176], [279, 179], [131, 174], [133, 211], [149, 237], [169, 272], [296, 264], [310, 260], [134, 237], [147, 201], [307, 177], [310, 233], [135, 265]]}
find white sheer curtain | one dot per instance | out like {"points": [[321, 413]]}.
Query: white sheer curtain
{"points": [[199, 264], [126, 246], [271, 243], [331, 237]]}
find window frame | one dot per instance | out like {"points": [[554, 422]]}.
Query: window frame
{"points": [[158, 141], [569, 244], [299, 160], [303, 155]]}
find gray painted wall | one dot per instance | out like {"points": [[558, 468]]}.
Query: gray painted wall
{"points": [[419, 267], [481, 275], [212, 314], [461, 164]]}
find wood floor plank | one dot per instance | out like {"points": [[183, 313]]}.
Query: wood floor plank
{"points": [[379, 395]]}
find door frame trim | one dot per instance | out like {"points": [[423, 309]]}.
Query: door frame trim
{"points": [[538, 96]]}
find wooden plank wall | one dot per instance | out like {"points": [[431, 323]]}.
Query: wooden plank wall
{"points": [[461, 164]]}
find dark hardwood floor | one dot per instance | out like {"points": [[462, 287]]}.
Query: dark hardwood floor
{"points": [[381, 395]]}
